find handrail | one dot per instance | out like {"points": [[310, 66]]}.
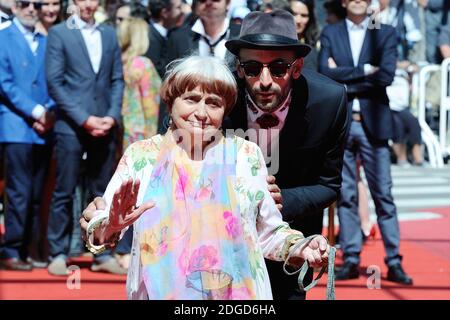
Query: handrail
{"points": [[422, 88], [445, 107], [429, 138]]}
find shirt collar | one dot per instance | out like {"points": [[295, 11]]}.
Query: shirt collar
{"points": [[81, 24], [24, 30], [353, 26], [162, 31], [200, 29]]}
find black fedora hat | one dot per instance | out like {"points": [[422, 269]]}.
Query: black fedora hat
{"points": [[269, 31]]}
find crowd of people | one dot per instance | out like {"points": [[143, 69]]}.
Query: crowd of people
{"points": [[318, 87]]}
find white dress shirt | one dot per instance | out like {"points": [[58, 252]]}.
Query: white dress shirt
{"points": [[356, 35], [93, 40], [161, 30], [30, 37], [203, 48]]}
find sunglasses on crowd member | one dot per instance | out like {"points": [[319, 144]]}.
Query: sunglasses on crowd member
{"points": [[25, 4], [278, 68]]}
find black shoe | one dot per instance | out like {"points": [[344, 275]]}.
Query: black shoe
{"points": [[15, 264], [348, 271], [397, 274]]}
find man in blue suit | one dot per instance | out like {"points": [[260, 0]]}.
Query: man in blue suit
{"points": [[85, 78], [25, 121], [362, 54]]}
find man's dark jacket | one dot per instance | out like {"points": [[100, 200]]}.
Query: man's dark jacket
{"points": [[311, 150]]}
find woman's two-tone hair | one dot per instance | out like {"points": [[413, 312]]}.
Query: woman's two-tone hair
{"points": [[209, 73]]}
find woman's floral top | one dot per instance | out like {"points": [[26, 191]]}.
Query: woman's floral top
{"points": [[212, 226], [140, 107]]}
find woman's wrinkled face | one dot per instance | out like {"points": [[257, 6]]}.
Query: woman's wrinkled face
{"points": [[301, 15], [198, 113]]}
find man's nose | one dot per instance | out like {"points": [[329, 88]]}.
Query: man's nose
{"points": [[265, 77]]}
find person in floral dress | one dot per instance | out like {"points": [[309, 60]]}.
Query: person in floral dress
{"points": [[140, 108]]}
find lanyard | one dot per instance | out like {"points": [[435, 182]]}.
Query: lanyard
{"points": [[305, 266]]}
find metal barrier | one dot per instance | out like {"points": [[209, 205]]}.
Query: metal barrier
{"points": [[444, 108], [429, 138]]}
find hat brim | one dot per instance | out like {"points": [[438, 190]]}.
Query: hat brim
{"points": [[235, 45]]}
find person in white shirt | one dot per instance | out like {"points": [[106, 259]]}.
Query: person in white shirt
{"points": [[85, 78], [362, 54], [207, 36]]}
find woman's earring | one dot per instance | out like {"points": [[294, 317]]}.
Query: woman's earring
{"points": [[167, 121]]}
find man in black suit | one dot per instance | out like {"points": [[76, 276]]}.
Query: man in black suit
{"points": [[164, 16], [300, 121], [362, 54], [85, 78]]}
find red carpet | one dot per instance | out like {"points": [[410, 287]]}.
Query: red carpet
{"points": [[425, 246]]}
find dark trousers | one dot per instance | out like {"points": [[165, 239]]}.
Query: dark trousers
{"points": [[25, 168], [375, 159], [406, 127], [285, 287], [99, 167], [124, 245]]}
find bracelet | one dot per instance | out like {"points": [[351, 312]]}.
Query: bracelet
{"points": [[303, 270], [92, 226], [288, 243]]}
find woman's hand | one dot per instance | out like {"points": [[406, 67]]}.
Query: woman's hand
{"points": [[315, 252], [123, 211]]}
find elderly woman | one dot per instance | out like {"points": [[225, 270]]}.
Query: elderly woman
{"points": [[203, 216]]}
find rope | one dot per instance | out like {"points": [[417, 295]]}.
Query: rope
{"points": [[330, 282]]}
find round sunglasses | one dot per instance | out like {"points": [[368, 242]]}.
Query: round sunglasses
{"points": [[278, 68]]}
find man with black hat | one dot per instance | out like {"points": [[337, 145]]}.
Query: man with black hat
{"points": [[299, 119]]}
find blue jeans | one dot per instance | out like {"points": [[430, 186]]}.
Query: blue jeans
{"points": [[375, 159]]}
